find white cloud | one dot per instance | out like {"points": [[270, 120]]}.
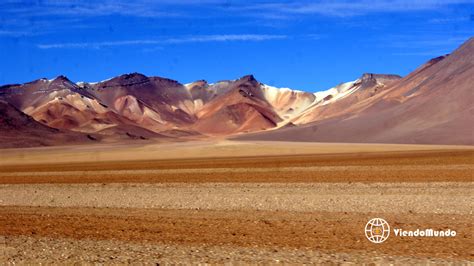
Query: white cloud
{"points": [[226, 37], [422, 45], [431, 53], [84, 8], [449, 20], [14, 33], [266, 9], [186, 39], [350, 8]]}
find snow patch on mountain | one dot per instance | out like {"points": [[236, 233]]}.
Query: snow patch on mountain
{"points": [[336, 93]]}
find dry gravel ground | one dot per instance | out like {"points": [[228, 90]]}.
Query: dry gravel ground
{"points": [[24, 249], [194, 203], [443, 198], [330, 233], [199, 149]]}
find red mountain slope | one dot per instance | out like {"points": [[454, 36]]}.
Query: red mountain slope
{"points": [[434, 105]]}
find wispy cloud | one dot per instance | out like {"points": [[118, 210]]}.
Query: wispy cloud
{"points": [[139, 8], [449, 20], [15, 33], [431, 53], [425, 41], [348, 8], [27, 18], [423, 45], [152, 49], [186, 39], [267, 9], [26, 27]]}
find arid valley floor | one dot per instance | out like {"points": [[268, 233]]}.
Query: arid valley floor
{"points": [[233, 201]]}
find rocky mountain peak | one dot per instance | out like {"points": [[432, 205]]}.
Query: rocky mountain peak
{"points": [[62, 78], [370, 80], [249, 78]]}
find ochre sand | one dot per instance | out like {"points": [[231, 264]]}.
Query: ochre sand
{"points": [[234, 202]]}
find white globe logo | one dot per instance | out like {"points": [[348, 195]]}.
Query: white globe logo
{"points": [[377, 230]]}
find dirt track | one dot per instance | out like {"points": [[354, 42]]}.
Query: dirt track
{"points": [[290, 208]]}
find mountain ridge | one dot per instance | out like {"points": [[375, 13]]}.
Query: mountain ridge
{"points": [[135, 106], [431, 105]]}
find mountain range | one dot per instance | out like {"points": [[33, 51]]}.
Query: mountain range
{"points": [[431, 105]]}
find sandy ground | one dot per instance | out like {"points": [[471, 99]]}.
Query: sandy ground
{"points": [[197, 149], [323, 232], [443, 198], [218, 204], [25, 249]]}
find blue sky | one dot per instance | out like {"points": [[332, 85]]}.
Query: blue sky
{"points": [[306, 45]]}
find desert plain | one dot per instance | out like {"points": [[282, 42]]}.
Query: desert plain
{"points": [[229, 201]]}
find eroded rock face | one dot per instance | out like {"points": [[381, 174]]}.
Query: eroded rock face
{"points": [[20, 130], [345, 97], [162, 105], [431, 105], [286, 102], [432, 101]]}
